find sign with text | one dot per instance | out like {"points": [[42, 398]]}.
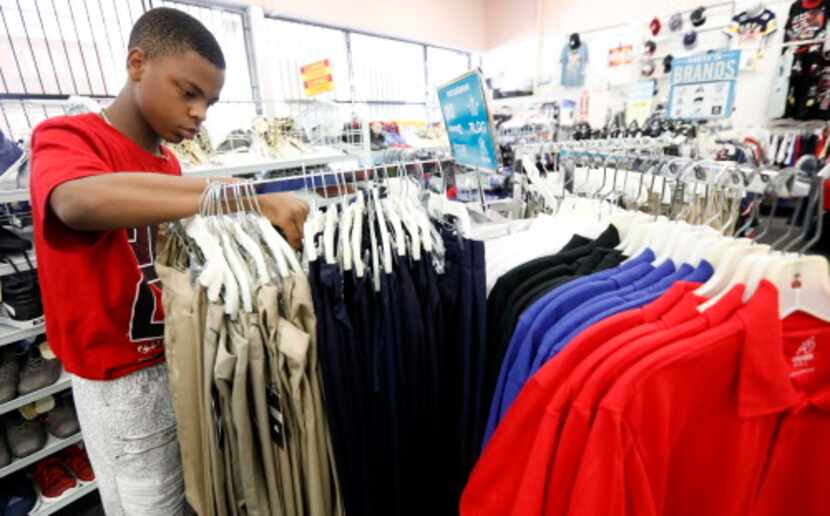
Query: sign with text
{"points": [[317, 78], [468, 123], [703, 86]]}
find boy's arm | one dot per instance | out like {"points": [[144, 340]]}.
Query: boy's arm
{"points": [[114, 201]]}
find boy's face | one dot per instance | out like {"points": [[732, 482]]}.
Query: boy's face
{"points": [[173, 92]]}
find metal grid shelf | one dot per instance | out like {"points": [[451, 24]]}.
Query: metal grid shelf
{"points": [[46, 509], [53, 445], [246, 165], [9, 334], [19, 262], [62, 384]]}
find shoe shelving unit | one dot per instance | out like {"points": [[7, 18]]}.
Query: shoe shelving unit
{"points": [[46, 508], [63, 383], [9, 334], [53, 445]]}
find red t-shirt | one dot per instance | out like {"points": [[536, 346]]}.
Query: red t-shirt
{"points": [[101, 295], [732, 421], [493, 486]]}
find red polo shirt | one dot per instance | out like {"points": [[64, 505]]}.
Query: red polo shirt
{"points": [[102, 298], [732, 421], [609, 363], [493, 485]]}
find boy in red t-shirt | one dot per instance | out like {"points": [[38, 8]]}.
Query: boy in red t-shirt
{"points": [[100, 183]]}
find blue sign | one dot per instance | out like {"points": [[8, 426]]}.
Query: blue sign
{"points": [[468, 124], [703, 86]]}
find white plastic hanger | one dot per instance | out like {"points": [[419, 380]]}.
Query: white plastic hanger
{"points": [[384, 233], [755, 258], [803, 284], [728, 254]]}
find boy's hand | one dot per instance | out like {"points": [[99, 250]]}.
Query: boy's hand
{"points": [[287, 212]]}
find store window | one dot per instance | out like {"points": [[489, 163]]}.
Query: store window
{"points": [[292, 45], [387, 70], [443, 65], [228, 28]]}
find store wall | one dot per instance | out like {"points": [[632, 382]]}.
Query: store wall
{"points": [[604, 24], [452, 23]]}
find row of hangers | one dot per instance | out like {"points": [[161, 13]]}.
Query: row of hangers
{"points": [[738, 256]]}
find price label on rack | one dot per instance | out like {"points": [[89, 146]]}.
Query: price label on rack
{"points": [[468, 123]]}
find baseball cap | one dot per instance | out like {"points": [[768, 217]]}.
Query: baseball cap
{"points": [[649, 47], [690, 39], [698, 16], [676, 22], [574, 41], [667, 62], [655, 26]]}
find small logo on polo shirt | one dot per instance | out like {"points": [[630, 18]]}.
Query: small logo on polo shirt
{"points": [[803, 357]]}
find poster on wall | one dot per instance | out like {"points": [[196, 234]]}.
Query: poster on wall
{"points": [[620, 55], [703, 86], [639, 102], [468, 123]]}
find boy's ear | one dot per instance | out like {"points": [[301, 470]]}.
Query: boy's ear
{"points": [[136, 61]]}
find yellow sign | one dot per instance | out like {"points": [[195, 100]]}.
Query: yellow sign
{"points": [[317, 78]]}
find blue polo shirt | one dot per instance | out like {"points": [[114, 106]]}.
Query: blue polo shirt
{"points": [[532, 325], [558, 307], [700, 274]]}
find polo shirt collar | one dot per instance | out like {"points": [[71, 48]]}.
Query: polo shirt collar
{"points": [[680, 293], [764, 385]]}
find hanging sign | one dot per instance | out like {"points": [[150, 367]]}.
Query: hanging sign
{"points": [[468, 123], [621, 55], [317, 78], [703, 86]]}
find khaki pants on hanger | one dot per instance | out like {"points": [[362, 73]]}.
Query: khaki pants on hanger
{"points": [[184, 315], [318, 456]]}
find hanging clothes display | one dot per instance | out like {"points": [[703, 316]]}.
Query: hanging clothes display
{"points": [[402, 319], [694, 353], [243, 370]]}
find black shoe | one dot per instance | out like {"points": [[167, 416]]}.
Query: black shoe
{"points": [[21, 295]]}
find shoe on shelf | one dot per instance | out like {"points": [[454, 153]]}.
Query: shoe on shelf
{"points": [[9, 375], [21, 295], [23, 437], [76, 460], [53, 480], [13, 244], [5, 456], [17, 496], [37, 372], [62, 421]]}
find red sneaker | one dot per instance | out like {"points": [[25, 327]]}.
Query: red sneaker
{"points": [[76, 460], [52, 479]]}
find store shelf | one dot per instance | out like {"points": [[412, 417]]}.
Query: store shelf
{"points": [[46, 509], [62, 384], [9, 334], [53, 445], [14, 195], [19, 262], [247, 165]]}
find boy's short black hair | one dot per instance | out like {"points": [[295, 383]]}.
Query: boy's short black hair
{"points": [[164, 31]]}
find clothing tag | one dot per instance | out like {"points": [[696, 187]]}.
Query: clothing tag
{"points": [[275, 419], [803, 358], [217, 417]]}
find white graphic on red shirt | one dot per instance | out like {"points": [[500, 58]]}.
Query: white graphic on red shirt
{"points": [[147, 318]]}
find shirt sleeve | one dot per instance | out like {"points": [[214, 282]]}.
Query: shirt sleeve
{"points": [[61, 153], [563, 58], [613, 479]]}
